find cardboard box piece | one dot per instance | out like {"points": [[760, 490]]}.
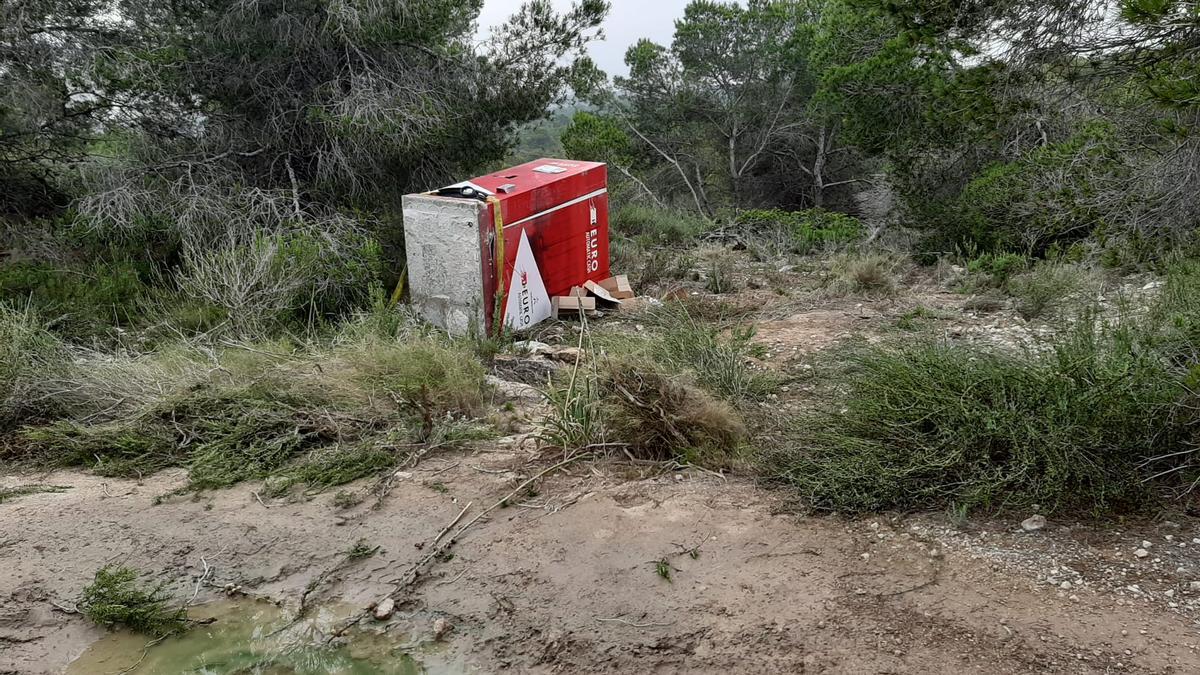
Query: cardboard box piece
{"points": [[570, 304], [618, 287], [599, 291]]}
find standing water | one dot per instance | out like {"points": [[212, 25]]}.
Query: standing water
{"points": [[250, 638]]}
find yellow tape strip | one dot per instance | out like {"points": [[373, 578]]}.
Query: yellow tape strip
{"points": [[400, 284], [498, 252]]}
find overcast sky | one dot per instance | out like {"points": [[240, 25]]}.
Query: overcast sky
{"points": [[628, 21]]}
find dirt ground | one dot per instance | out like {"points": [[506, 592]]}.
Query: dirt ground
{"points": [[570, 578]]}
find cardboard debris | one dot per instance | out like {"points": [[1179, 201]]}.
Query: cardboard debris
{"points": [[618, 287], [599, 291], [569, 304]]}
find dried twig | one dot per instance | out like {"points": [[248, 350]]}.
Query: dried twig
{"points": [[617, 619], [452, 523]]}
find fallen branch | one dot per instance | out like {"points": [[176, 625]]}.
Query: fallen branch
{"points": [[438, 549], [452, 523], [617, 619]]}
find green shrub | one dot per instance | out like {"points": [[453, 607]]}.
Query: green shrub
{"points": [[1056, 194], [652, 226], [873, 273], [430, 376], [576, 418], [807, 230], [115, 600], [279, 279], [120, 448], [994, 269], [29, 356], [716, 358], [1044, 287], [333, 465], [1086, 425], [86, 300]]}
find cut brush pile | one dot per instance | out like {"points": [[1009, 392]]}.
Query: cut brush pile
{"points": [[320, 418]]}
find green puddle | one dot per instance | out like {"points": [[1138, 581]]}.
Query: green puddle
{"points": [[251, 638]]}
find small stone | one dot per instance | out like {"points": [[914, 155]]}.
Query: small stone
{"points": [[1033, 523], [384, 609], [678, 477], [1170, 592], [1194, 586], [1146, 544], [440, 628], [403, 475], [1141, 553], [531, 347], [1066, 585], [566, 354]]}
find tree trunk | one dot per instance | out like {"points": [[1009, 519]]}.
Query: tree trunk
{"points": [[818, 171]]}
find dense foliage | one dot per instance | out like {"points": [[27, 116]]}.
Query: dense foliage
{"points": [[239, 147]]}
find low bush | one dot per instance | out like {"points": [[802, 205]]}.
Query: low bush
{"points": [[804, 231], [116, 599], [993, 270], [872, 273], [430, 376], [30, 356], [84, 300], [719, 360], [330, 466], [1045, 287], [1100, 422], [318, 419], [651, 226], [269, 279]]}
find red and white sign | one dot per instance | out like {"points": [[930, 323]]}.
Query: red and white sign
{"points": [[528, 302]]}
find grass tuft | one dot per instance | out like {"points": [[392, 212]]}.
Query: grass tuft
{"points": [[116, 600]]}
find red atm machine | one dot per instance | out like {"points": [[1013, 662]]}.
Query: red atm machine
{"points": [[493, 250]]}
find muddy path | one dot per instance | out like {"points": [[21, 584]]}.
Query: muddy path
{"points": [[567, 578]]}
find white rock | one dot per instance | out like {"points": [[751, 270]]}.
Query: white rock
{"points": [[1170, 592], [1194, 586], [514, 390], [1066, 585], [384, 609], [531, 347], [1141, 553], [440, 628], [1146, 544], [1033, 523]]}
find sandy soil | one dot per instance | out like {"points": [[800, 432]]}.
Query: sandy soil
{"points": [[566, 581]]}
